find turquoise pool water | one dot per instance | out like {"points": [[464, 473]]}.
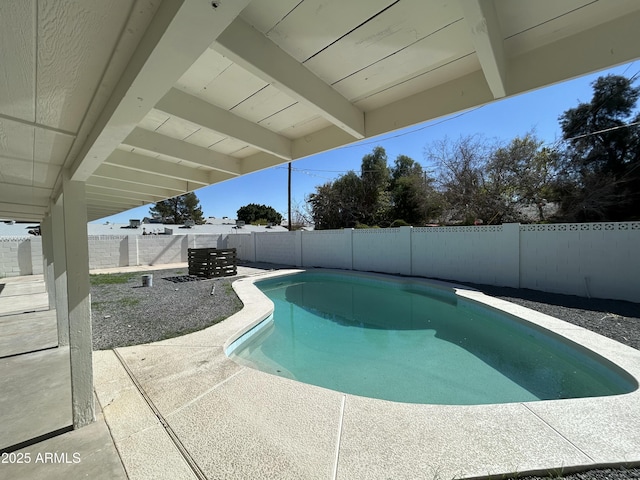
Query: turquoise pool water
{"points": [[415, 344]]}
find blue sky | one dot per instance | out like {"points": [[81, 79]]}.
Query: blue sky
{"points": [[536, 111]]}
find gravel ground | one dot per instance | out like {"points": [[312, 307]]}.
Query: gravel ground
{"points": [[128, 314]]}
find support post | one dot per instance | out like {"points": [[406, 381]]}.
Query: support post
{"points": [[78, 300], [47, 259], [60, 272]]}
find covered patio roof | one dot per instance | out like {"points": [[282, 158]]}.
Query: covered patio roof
{"points": [[110, 105], [146, 100]]}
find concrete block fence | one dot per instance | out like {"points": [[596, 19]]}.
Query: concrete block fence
{"points": [[598, 260], [23, 255], [20, 256]]}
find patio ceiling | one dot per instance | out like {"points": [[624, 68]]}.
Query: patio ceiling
{"points": [[144, 100]]}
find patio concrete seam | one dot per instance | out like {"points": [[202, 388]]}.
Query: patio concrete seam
{"points": [[113, 440], [339, 439], [217, 385], [195, 468], [560, 434]]}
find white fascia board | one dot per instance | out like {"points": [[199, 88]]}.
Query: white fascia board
{"points": [[144, 163], [179, 32], [134, 178], [187, 107], [251, 50], [488, 41], [172, 147]]}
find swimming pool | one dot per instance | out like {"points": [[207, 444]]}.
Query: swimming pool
{"points": [[414, 342]]}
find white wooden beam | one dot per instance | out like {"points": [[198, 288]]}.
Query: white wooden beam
{"points": [[258, 161], [254, 52], [123, 188], [172, 147], [131, 195], [134, 178], [612, 43], [454, 96], [27, 195], [94, 199], [488, 41], [179, 104], [180, 31], [106, 210], [19, 211], [144, 163]]}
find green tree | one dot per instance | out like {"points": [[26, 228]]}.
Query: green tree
{"points": [[414, 198], [374, 175], [521, 174], [600, 174], [253, 213], [179, 209], [338, 204]]}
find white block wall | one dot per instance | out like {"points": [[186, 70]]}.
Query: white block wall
{"points": [[327, 248], [244, 245], [483, 254], [207, 241], [107, 251], [382, 250], [157, 249], [15, 257], [599, 259], [277, 247], [589, 259]]}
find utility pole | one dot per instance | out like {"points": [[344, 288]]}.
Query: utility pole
{"points": [[289, 203]]}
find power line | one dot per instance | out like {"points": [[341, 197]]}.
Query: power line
{"points": [[633, 124], [424, 127]]}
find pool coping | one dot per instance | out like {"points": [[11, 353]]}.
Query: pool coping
{"points": [[300, 430]]}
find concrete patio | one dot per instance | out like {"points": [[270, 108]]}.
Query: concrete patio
{"points": [[35, 395], [181, 408]]}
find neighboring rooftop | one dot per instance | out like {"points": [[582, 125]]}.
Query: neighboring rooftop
{"points": [[213, 226]]}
